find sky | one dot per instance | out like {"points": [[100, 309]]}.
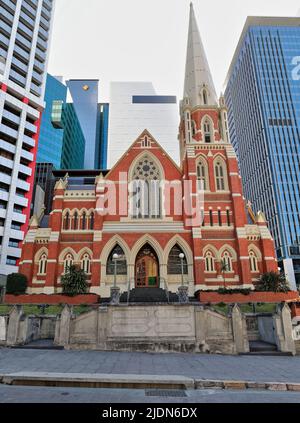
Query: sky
{"points": [[145, 40]]}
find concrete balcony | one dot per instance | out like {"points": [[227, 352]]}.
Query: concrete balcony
{"points": [[11, 117], [19, 235], [23, 40], [22, 52], [5, 195], [17, 78], [9, 16], [25, 169], [25, 30], [23, 185], [20, 65], [32, 128], [29, 8], [29, 141], [18, 200], [6, 163], [7, 147], [37, 77], [41, 43], [9, 131], [14, 252], [34, 89], [40, 54], [4, 40], [6, 179], [6, 28], [1, 230], [26, 155], [3, 213], [19, 217], [27, 18]]}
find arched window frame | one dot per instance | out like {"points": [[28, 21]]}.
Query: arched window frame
{"points": [[84, 221], [202, 174], [253, 262], [86, 263], [220, 171], [75, 220], [68, 262], [146, 193], [43, 264], [121, 262], [92, 221], [174, 262], [227, 259], [66, 221], [207, 130], [209, 262]]}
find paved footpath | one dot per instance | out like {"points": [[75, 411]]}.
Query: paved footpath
{"points": [[198, 366], [20, 394]]}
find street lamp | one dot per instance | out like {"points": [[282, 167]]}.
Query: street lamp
{"points": [[183, 290], [182, 256], [115, 259]]}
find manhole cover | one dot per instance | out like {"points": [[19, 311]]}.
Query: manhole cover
{"points": [[165, 393]]}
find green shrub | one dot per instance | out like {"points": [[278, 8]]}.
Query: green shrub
{"points": [[272, 282], [225, 291], [74, 282], [16, 284]]}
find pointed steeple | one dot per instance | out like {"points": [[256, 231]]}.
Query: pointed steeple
{"points": [[198, 87]]}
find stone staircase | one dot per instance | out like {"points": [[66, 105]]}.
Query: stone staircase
{"points": [[264, 348], [149, 295]]}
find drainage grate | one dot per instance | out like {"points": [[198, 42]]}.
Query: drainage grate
{"points": [[165, 393]]}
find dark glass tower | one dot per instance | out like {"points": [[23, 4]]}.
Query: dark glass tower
{"points": [[263, 98]]}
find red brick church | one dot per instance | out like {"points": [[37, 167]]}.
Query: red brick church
{"points": [[138, 210]]}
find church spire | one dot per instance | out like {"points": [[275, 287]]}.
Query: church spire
{"points": [[198, 87]]}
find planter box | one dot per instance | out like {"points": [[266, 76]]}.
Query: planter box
{"points": [[253, 297], [295, 309], [52, 299]]}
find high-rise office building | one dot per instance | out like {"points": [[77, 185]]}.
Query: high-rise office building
{"points": [[103, 122], [263, 98], [85, 99], [135, 106], [51, 139], [25, 28], [64, 117]]}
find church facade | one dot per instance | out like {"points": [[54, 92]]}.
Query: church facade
{"points": [[155, 224]]}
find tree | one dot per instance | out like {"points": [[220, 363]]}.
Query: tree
{"points": [[74, 282], [16, 284], [272, 282]]}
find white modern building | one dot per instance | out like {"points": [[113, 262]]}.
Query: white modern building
{"points": [[135, 106], [25, 28]]}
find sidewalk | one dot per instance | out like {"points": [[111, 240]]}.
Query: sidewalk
{"points": [[195, 366]]}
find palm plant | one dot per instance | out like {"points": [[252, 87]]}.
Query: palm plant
{"points": [[272, 282]]}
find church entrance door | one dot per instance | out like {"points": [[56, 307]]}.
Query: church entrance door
{"points": [[147, 268]]}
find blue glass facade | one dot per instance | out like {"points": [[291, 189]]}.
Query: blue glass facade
{"points": [[51, 139], [85, 98], [103, 135], [263, 98]]}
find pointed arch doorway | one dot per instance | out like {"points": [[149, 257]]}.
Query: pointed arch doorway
{"points": [[147, 268]]}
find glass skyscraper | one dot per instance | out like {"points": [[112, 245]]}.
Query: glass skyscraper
{"points": [[263, 98], [85, 98], [51, 139]]}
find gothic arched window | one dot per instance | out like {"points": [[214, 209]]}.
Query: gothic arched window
{"points": [[146, 191], [75, 220], [253, 262], [202, 175], [175, 262], [84, 221], [86, 263], [227, 262], [209, 262], [220, 174], [92, 221], [121, 262], [66, 222], [207, 131], [43, 264], [68, 261]]}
